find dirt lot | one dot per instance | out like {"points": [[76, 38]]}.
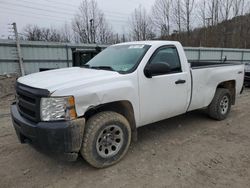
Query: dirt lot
{"points": [[187, 151]]}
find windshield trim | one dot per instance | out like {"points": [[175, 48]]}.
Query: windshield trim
{"points": [[139, 60]]}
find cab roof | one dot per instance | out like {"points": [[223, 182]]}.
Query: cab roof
{"points": [[151, 42]]}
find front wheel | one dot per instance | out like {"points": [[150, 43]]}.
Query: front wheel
{"points": [[220, 105], [106, 139]]}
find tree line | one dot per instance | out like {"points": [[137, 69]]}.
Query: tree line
{"points": [[193, 22]]}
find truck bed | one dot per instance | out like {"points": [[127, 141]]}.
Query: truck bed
{"points": [[209, 64], [206, 76]]}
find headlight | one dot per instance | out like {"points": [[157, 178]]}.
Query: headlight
{"points": [[57, 108]]}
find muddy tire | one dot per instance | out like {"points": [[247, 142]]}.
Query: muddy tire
{"points": [[106, 139], [220, 105]]}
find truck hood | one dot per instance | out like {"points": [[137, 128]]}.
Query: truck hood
{"points": [[66, 78]]}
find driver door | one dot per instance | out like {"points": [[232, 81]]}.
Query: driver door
{"points": [[165, 95]]}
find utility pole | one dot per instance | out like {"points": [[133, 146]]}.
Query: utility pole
{"points": [[20, 59], [92, 34]]}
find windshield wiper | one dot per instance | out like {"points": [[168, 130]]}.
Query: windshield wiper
{"points": [[103, 68], [85, 66]]}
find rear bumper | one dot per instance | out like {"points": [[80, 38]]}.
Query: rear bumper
{"points": [[62, 137]]}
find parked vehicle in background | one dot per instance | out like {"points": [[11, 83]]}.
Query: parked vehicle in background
{"points": [[81, 56], [95, 110], [247, 75]]}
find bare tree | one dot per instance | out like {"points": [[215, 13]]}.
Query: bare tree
{"points": [[89, 22], [239, 7], [140, 25], [213, 11], [244, 6], [161, 16], [178, 14], [236, 7], [202, 12], [226, 8], [104, 31], [81, 23], [66, 33], [35, 33], [189, 6], [51, 35]]}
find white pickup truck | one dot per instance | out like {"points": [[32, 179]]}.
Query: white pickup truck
{"points": [[95, 110]]}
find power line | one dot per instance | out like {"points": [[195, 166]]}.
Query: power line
{"points": [[53, 8], [139, 3], [63, 3], [58, 12], [36, 17], [12, 11], [35, 8], [69, 4], [53, 17]]}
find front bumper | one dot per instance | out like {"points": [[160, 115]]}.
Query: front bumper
{"points": [[61, 137]]}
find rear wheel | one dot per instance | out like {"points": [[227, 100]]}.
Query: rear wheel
{"points": [[220, 105], [106, 139]]}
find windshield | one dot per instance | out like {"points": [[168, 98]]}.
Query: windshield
{"points": [[120, 58]]}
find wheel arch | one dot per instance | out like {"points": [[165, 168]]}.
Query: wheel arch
{"points": [[231, 86], [122, 107]]}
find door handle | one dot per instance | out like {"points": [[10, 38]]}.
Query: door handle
{"points": [[180, 82]]}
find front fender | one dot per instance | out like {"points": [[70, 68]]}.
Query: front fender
{"points": [[97, 95]]}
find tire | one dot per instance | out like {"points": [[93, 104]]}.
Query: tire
{"points": [[106, 139], [220, 105]]}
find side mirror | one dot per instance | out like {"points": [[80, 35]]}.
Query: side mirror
{"points": [[156, 69]]}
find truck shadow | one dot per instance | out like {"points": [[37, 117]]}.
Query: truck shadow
{"points": [[188, 121]]}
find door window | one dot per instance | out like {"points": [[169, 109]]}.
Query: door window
{"points": [[167, 55]]}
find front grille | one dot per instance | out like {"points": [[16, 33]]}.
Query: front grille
{"points": [[28, 101], [247, 73]]}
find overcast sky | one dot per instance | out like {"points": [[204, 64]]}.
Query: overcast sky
{"points": [[57, 12]]}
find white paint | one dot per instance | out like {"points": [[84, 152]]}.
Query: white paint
{"points": [[153, 99], [205, 82]]}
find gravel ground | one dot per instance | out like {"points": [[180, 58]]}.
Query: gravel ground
{"points": [[7, 83], [186, 151]]}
